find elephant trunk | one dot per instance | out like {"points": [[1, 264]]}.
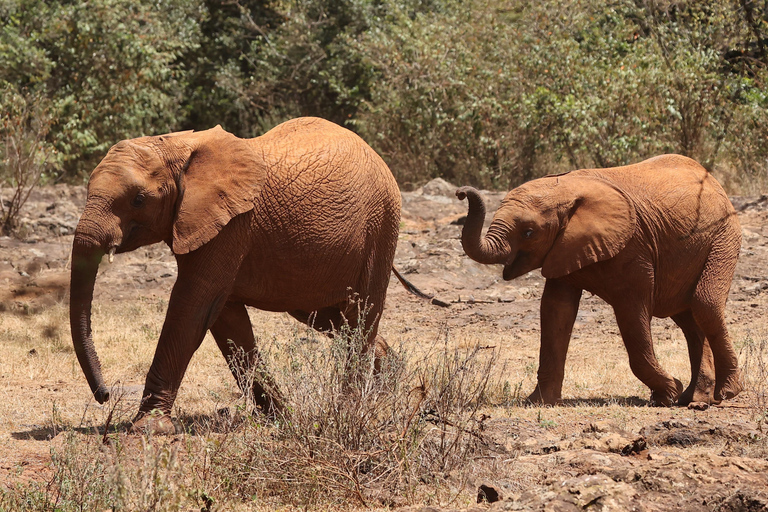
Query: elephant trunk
{"points": [[86, 256], [494, 247]]}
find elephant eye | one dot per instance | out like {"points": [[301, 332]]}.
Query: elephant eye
{"points": [[528, 233], [138, 200]]}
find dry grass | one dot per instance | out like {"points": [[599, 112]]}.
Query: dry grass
{"points": [[412, 435], [379, 439]]}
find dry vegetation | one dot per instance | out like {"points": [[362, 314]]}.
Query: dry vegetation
{"points": [[445, 417]]}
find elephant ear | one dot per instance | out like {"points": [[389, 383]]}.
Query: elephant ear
{"points": [[221, 179], [600, 222]]}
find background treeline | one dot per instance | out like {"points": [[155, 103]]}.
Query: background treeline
{"points": [[483, 92]]}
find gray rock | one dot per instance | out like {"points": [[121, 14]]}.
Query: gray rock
{"points": [[439, 187]]}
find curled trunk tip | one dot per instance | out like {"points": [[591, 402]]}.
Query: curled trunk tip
{"points": [[463, 192], [493, 248]]}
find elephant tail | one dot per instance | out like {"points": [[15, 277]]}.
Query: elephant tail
{"points": [[411, 288]]}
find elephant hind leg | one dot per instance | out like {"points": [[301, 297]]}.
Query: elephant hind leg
{"points": [[635, 327], [233, 333], [708, 308], [702, 386], [330, 320], [710, 319], [370, 312]]}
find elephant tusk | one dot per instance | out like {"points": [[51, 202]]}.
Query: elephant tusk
{"points": [[112, 254]]}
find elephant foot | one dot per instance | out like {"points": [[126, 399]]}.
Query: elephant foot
{"points": [[730, 387], [273, 408], [698, 394], [155, 422], [539, 397], [380, 351], [268, 399], [666, 397], [701, 390], [698, 406]]}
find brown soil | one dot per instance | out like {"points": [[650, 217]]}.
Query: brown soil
{"points": [[605, 447]]}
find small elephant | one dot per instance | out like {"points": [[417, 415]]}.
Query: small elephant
{"points": [[658, 238], [302, 219]]}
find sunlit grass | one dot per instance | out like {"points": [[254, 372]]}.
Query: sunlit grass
{"points": [[233, 460]]}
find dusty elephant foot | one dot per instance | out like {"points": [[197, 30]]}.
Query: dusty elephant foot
{"points": [[154, 422], [543, 398], [268, 399], [698, 394], [702, 389], [666, 397], [730, 388], [380, 348], [273, 409], [698, 406], [381, 353]]}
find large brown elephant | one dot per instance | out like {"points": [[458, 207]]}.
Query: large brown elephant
{"points": [[303, 219], [658, 238]]}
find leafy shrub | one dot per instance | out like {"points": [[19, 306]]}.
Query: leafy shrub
{"points": [[112, 69], [25, 154], [486, 92], [496, 93]]}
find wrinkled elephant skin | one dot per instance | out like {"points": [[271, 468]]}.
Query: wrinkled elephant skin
{"points": [[302, 219], [658, 238]]}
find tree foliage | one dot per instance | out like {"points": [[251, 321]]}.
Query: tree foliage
{"points": [[112, 69], [483, 92]]}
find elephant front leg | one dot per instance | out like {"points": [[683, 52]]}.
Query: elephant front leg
{"points": [[234, 336], [559, 307], [174, 350], [205, 282], [161, 387]]}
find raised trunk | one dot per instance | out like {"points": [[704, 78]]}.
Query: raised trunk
{"points": [[494, 247], [86, 257]]}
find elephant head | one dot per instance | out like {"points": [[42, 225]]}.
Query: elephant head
{"points": [[181, 188], [559, 223]]}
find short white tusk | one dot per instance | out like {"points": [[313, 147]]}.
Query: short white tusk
{"points": [[112, 254]]}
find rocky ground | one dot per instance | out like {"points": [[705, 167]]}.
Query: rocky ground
{"points": [[602, 450]]}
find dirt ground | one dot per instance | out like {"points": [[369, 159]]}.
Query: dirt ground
{"points": [[604, 448]]}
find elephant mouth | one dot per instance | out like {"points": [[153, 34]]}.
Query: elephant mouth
{"points": [[517, 266], [130, 241]]}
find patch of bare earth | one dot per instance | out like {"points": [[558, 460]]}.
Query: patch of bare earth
{"points": [[604, 448]]}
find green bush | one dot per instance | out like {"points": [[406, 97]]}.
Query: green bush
{"points": [[113, 69], [495, 93], [25, 155], [484, 92]]}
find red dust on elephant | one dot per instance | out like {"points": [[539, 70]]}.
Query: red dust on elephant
{"points": [[655, 239], [302, 220]]}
